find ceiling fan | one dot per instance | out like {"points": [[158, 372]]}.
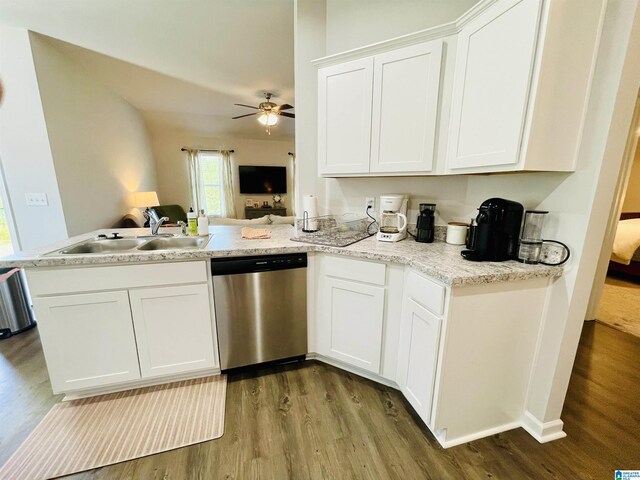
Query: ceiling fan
{"points": [[268, 112]]}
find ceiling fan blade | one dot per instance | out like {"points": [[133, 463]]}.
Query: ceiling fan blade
{"points": [[285, 106], [248, 106], [289, 115], [247, 115]]}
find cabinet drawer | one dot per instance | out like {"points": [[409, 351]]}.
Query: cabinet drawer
{"points": [[65, 280], [426, 292], [358, 270]]}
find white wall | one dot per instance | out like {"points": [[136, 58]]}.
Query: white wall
{"points": [[584, 200], [24, 146], [309, 44], [173, 174], [355, 23], [632, 195], [99, 142]]}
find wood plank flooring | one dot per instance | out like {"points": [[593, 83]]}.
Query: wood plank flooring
{"points": [[312, 421]]}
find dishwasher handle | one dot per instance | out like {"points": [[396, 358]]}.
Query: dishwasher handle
{"points": [[265, 263]]}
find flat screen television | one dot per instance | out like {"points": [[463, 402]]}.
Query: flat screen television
{"points": [[264, 180]]}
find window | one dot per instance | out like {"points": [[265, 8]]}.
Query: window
{"points": [[211, 196], [211, 182], [6, 248]]}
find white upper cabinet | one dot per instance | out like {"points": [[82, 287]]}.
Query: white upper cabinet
{"points": [[521, 86], [406, 84], [502, 88], [344, 117], [494, 63], [379, 114]]}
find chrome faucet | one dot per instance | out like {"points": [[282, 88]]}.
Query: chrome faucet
{"points": [[183, 227], [156, 222]]}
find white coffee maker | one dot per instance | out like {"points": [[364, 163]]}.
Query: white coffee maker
{"points": [[393, 219]]}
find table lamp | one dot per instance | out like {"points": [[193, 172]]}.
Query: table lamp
{"points": [[145, 200]]}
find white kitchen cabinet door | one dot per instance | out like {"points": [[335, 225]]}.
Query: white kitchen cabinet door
{"points": [[88, 339], [417, 356], [351, 323], [406, 87], [494, 63], [344, 117], [173, 329]]}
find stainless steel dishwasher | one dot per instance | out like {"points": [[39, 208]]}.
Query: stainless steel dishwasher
{"points": [[261, 308]]}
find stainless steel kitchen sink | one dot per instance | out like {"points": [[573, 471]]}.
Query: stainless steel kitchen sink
{"points": [[104, 246], [175, 242], [133, 244]]}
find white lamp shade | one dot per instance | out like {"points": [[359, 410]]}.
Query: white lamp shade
{"points": [[269, 119], [144, 199]]}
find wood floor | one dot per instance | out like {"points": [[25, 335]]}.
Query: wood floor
{"points": [[312, 421]]}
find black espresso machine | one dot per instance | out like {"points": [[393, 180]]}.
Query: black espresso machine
{"points": [[495, 237]]}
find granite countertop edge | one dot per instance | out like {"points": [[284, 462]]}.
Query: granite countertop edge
{"points": [[467, 273]]}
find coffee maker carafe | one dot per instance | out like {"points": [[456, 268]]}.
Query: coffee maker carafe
{"points": [[393, 219], [495, 237]]}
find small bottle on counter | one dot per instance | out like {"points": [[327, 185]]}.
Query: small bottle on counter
{"points": [[471, 236], [203, 224], [192, 222]]}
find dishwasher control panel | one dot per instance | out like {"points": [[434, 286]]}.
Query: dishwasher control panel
{"points": [[267, 263]]}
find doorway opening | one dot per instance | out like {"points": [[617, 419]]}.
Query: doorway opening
{"points": [[615, 298]]}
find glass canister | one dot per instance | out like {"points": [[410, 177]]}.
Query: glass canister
{"points": [[531, 236]]}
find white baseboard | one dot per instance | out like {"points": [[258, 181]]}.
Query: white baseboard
{"points": [[542, 432], [140, 384], [350, 368], [474, 436]]}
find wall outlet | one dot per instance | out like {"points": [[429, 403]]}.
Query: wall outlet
{"points": [[36, 199], [369, 202]]}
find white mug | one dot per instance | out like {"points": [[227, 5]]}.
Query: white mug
{"points": [[457, 233]]}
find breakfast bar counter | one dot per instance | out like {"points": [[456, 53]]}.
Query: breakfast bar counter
{"points": [[438, 260]]}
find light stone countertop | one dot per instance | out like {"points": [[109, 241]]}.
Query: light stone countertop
{"points": [[438, 260]]}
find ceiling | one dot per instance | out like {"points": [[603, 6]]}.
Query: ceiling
{"points": [[184, 63]]}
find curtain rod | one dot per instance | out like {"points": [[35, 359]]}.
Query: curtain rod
{"points": [[184, 149]]}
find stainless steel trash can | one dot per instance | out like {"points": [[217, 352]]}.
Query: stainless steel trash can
{"points": [[16, 314]]}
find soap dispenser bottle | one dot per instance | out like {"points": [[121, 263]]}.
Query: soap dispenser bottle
{"points": [[203, 224], [192, 222]]}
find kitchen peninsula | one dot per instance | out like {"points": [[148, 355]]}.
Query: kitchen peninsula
{"points": [[457, 338]]}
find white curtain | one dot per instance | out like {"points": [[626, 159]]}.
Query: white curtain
{"points": [[228, 202], [194, 178]]}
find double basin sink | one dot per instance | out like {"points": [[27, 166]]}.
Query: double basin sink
{"points": [[130, 244]]}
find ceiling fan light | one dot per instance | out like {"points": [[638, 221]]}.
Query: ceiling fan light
{"points": [[268, 119]]}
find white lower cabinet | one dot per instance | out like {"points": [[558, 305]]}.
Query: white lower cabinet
{"points": [[88, 339], [97, 338], [417, 356], [352, 325], [350, 315], [173, 329]]}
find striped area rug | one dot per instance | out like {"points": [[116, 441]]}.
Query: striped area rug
{"points": [[84, 434]]}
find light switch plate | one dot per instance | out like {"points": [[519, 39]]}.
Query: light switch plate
{"points": [[37, 199]]}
